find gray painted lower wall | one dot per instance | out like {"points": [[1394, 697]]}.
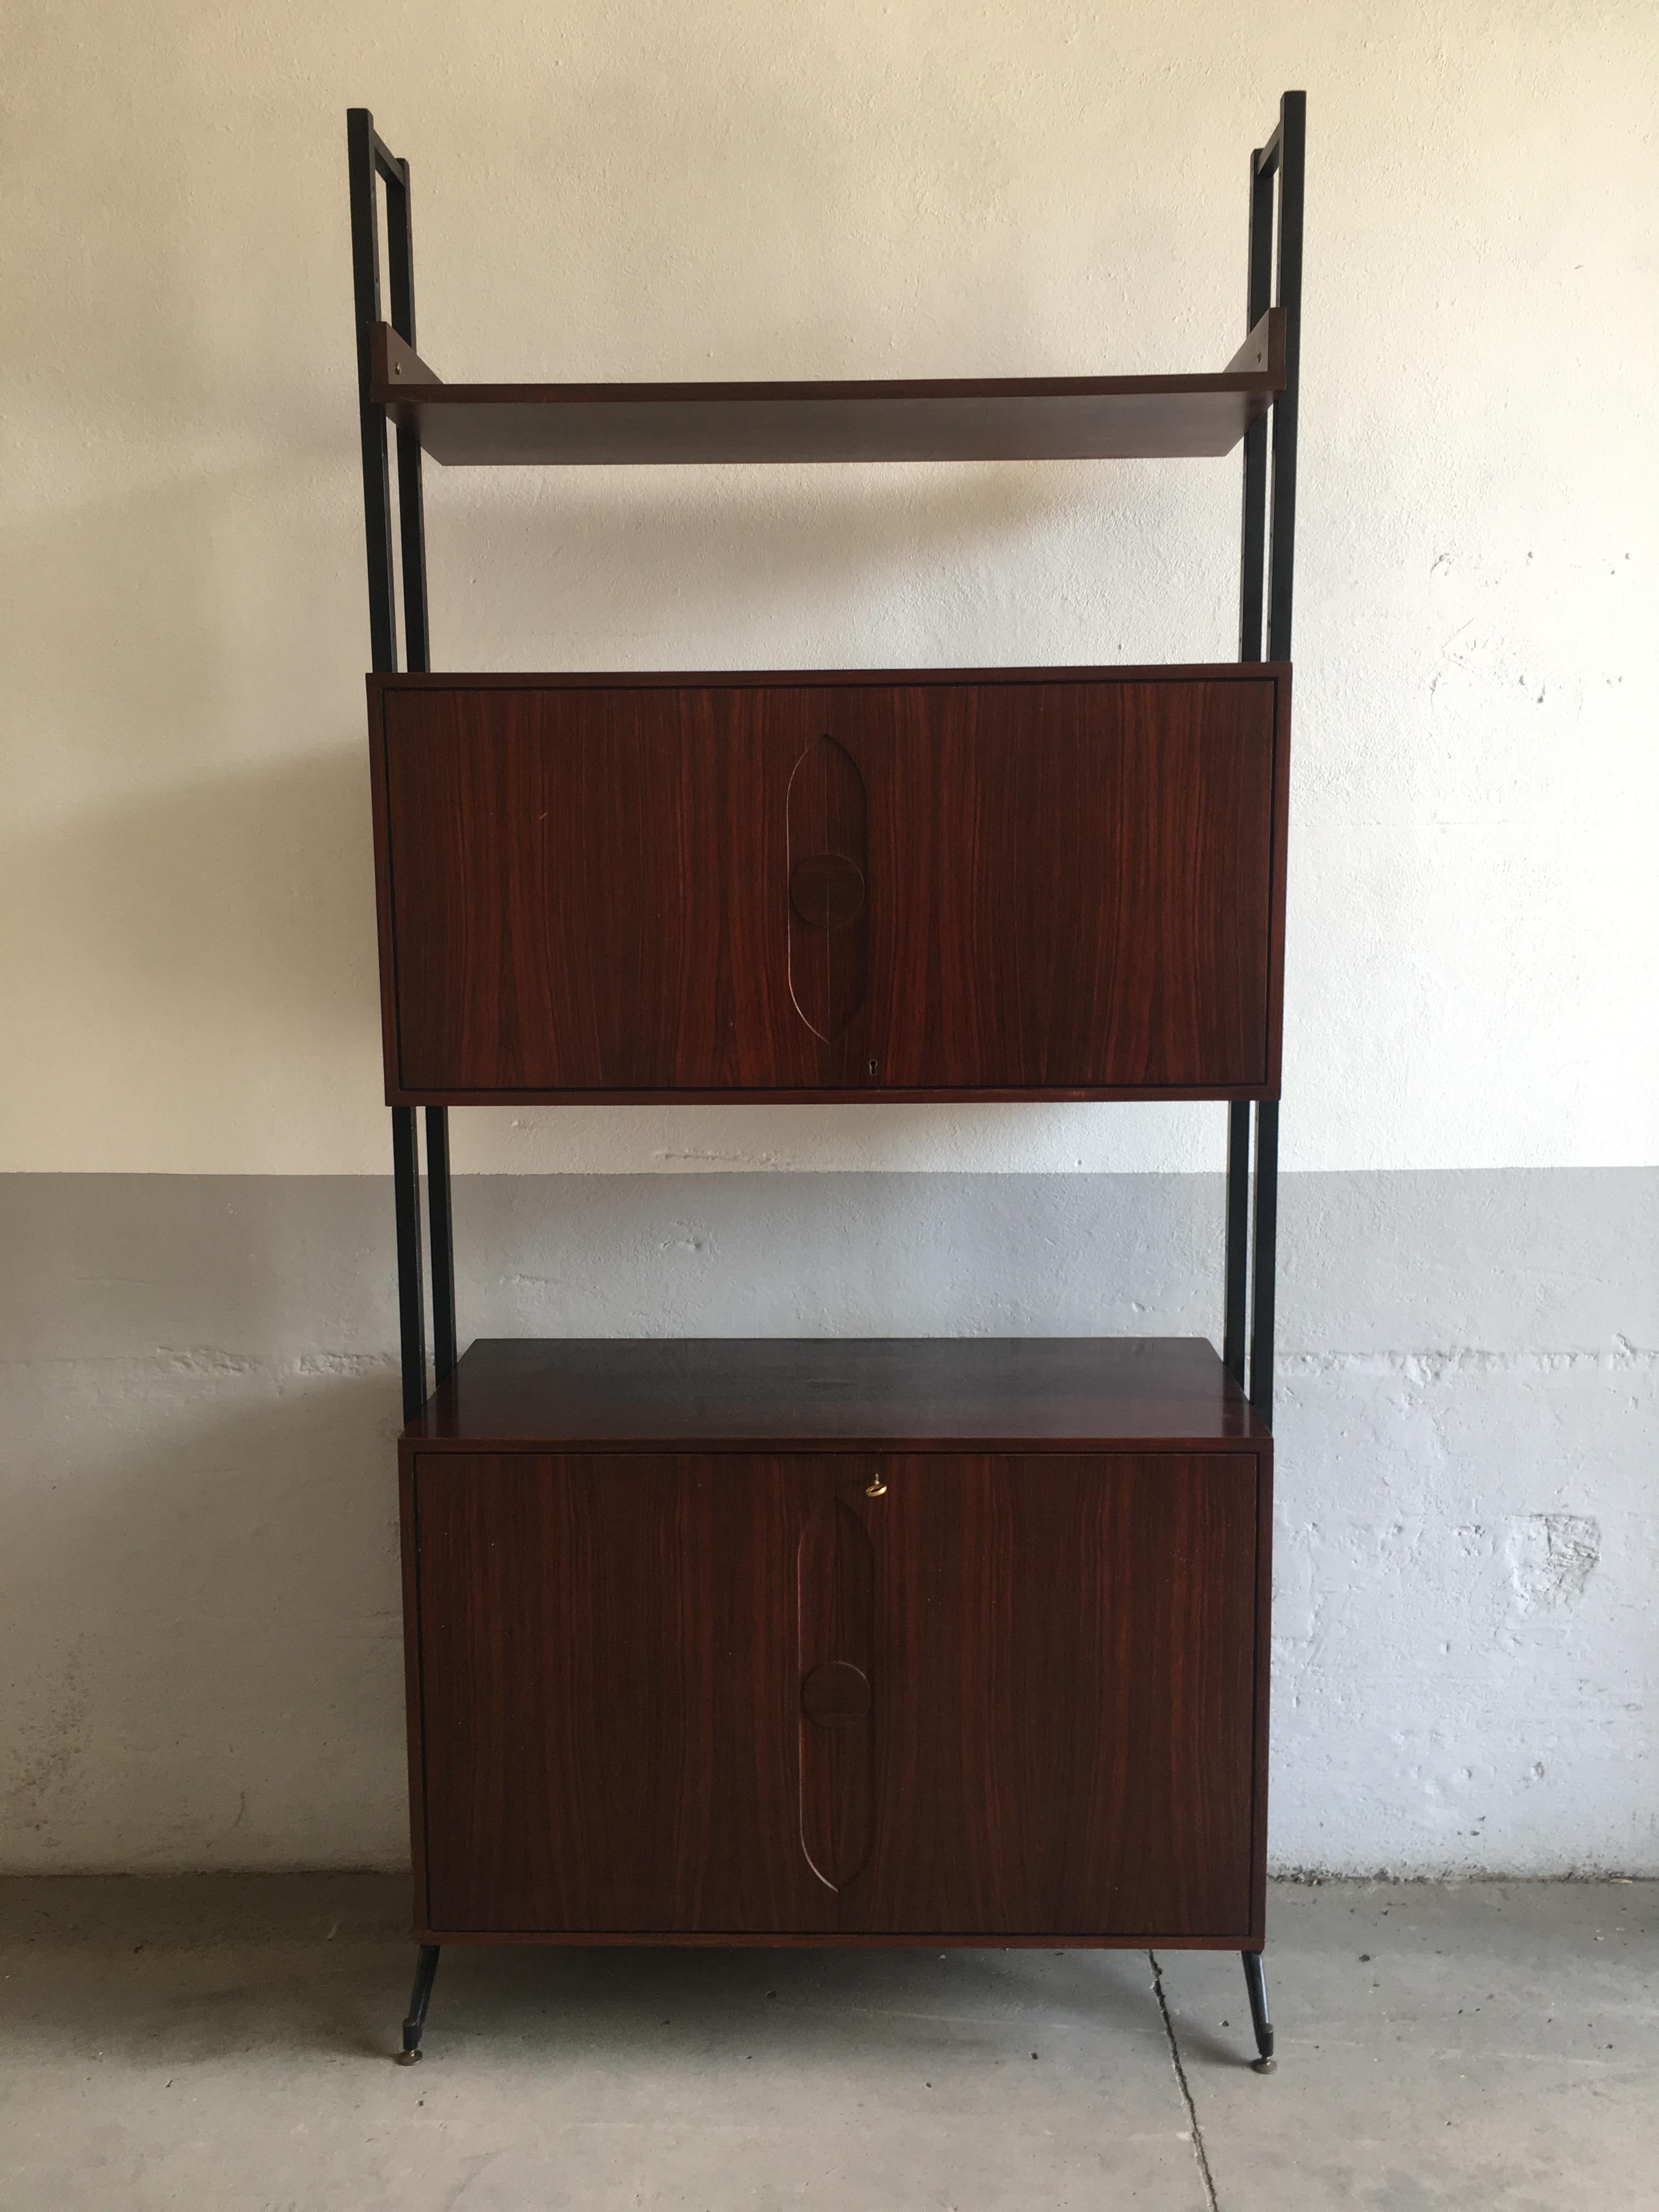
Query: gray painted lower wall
{"points": [[199, 1588]]}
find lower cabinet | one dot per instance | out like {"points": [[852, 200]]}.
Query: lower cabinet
{"points": [[730, 1694]]}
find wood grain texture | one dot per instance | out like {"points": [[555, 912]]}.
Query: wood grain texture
{"points": [[1073, 887], [835, 1611], [938, 419], [1066, 1652], [612, 1692], [837, 1395], [827, 812], [593, 893], [1059, 1738], [1078, 881]]}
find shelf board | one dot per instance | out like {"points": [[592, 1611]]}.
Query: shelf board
{"points": [[1044, 418], [832, 1394]]}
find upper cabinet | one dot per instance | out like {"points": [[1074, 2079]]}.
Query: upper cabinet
{"points": [[1001, 883]]}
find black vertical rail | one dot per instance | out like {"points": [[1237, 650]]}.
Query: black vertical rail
{"points": [[377, 482], [1252, 584], [1264, 1272], [412, 509], [1252, 592], [1238, 1236], [363, 157], [1292, 136], [411, 546], [441, 1227], [411, 1318], [1290, 151]]}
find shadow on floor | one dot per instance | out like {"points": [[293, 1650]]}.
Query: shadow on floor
{"points": [[186, 1967]]}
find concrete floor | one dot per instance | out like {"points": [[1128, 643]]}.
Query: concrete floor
{"points": [[225, 2044]]}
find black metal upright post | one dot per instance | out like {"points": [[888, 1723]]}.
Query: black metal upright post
{"points": [[442, 1229], [1253, 532], [1252, 596], [369, 159], [1284, 153], [412, 508], [1264, 1259], [361, 144], [1238, 1237], [411, 549], [1293, 137], [426, 1969], [1266, 576], [406, 1201]]}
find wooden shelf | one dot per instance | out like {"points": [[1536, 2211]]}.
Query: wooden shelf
{"points": [[956, 419], [819, 1394]]}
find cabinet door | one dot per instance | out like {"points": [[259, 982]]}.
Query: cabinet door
{"points": [[611, 1694], [925, 889], [1064, 1697], [587, 890], [1073, 885]]}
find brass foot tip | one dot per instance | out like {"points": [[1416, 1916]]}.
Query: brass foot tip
{"points": [[1257, 2065], [409, 2058]]}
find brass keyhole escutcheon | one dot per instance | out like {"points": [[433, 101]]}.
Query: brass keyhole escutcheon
{"points": [[875, 1487]]}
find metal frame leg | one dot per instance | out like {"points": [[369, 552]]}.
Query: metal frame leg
{"points": [[426, 1970], [1255, 1984], [1266, 566], [372, 167]]}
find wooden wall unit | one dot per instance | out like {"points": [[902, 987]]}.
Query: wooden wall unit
{"points": [[806, 1641]]}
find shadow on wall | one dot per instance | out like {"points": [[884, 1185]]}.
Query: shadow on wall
{"points": [[205, 1655], [859, 567], [247, 895]]}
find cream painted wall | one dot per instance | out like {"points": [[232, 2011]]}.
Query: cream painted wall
{"points": [[750, 189]]}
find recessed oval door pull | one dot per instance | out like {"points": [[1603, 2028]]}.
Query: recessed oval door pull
{"points": [[826, 889], [827, 882], [835, 1693]]}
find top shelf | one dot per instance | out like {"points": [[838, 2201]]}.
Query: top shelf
{"points": [[1037, 418]]}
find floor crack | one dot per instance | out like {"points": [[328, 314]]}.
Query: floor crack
{"points": [[1199, 2152]]}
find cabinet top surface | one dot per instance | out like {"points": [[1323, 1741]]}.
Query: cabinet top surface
{"points": [[932, 419], [884, 1394], [875, 680]]}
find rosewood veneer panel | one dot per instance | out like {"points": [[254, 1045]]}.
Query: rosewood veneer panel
{"points": [[700, 1695], [837, 1394], [1064, 1677], [611, 1694], [1024, 885]]}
